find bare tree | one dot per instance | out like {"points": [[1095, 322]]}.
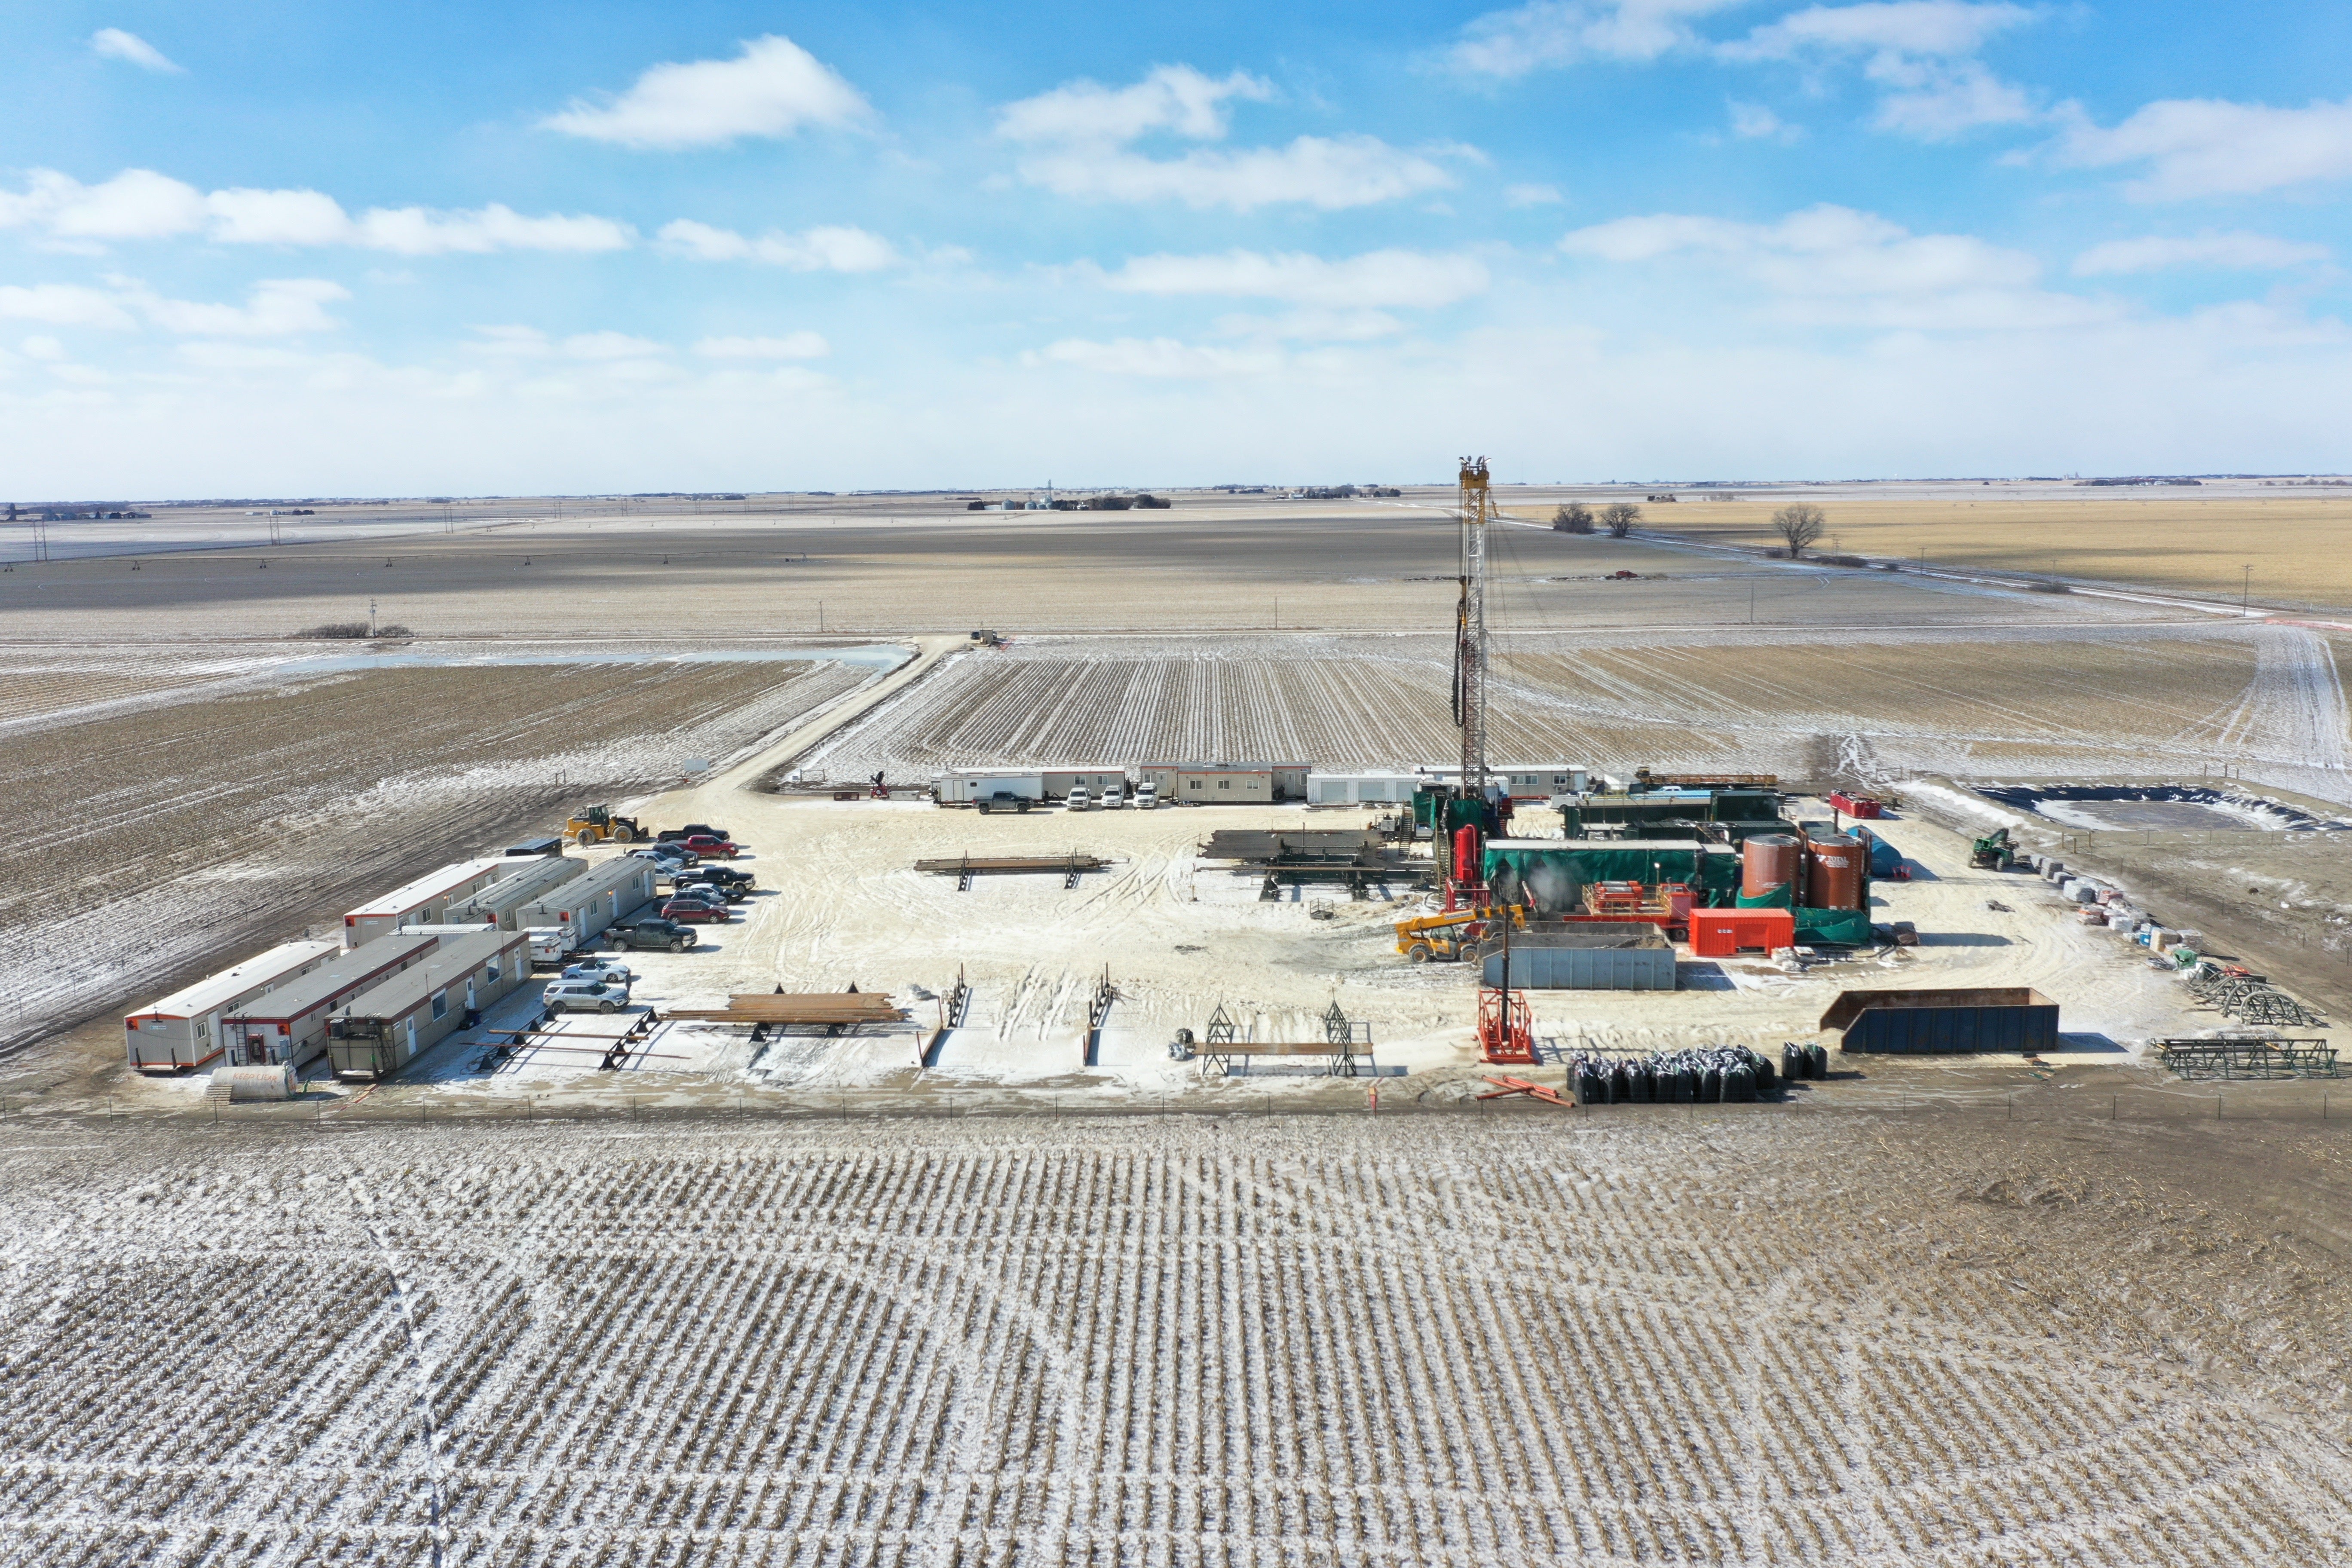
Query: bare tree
{"points": [[1619, 518], [1798, 526], [1574, 518]]}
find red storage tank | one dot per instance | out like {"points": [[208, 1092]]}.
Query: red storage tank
{"points": [[1770, 860], [1834, 866]]}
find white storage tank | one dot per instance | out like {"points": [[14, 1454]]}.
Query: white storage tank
{"points": [[247, 1084]]}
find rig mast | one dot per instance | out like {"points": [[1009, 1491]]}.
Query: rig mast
{"points": [[1477, 511]]}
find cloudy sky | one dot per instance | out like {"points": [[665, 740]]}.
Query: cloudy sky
{"points": [[279, 249]]}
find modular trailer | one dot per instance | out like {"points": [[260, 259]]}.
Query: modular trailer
{"points": [[421, 902], [521, 882], [184, 1029], [1226, 784], [383, 1029], [290, 1023], [589, 903]]}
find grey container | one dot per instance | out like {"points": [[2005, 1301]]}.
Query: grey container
{"points": [[1585, 968]]}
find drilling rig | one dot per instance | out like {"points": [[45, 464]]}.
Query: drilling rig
{"points": [[1460, 838]]}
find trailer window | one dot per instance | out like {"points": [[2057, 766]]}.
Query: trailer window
{"points": [[440, 1003]]}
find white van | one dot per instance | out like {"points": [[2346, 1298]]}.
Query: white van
{"points": [[1146, 796], [1077, 799], [1113, 797], [551, 946]]}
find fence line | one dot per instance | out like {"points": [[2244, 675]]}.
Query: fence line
{"points": [[2145, 1107]]}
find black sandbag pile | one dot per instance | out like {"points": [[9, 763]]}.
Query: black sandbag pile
{"points": [[1707, 1075]]}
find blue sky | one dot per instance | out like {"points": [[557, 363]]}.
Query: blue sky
{"points": [[275, 249]]}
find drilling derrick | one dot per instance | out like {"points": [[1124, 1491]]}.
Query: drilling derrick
{"points": [[1462, 857], [1476, 509]]}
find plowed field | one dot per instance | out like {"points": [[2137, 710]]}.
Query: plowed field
{"points": [[1292, 1341], [150, 843], [2265, 700]]}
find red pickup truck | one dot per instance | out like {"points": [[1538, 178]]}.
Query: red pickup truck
{"points": [[704, 844]]}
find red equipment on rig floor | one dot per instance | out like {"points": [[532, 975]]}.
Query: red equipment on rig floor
{"points": [[1505, 1031], [1857, 805]]}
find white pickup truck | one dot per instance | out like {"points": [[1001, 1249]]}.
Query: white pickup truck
{"points": [[551, 946]]}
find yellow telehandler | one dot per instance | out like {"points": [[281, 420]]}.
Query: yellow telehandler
{"points": [[1448, 937]]}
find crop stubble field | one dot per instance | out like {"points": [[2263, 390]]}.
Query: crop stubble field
{"points": [[1824, 1339], [150, 838], [1871, 703]]}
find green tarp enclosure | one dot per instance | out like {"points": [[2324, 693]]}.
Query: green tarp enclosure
{"points": [[1549, 875], [1834, 928]]}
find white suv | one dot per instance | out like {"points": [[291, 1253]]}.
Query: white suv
{"points": [[1146, 796], [1114, 796], [1079, 799], [584, 995]]}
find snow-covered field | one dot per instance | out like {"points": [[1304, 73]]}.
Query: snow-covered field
{"points": [[1289, 1340]]}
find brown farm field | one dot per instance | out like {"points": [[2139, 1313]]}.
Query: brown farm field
{"points": [[2297, 547]]}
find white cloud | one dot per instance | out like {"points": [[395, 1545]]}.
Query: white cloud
{"points": [[137, 204], [825, 248], [510, 343], [62, 305], [792, 345], [1943, 28], [244, 217], [2238, 250], [1378, 278], [2210, 147], [1531, 196], [772, 88], [40, 345], [1175, 99], [140, 204], [1919, 55], [277, 306], [1315, 325], [420, 231], [114, 44], [609, 345], [1831, 265], [1327, 172], [1755, 122], [1161, 358], [1079, 135], [1548, 33]]}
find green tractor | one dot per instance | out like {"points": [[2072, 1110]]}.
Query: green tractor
{"points": [[1993, 852]]}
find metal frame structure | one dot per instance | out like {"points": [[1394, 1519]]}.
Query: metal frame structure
{"points": [[1475, 504]]}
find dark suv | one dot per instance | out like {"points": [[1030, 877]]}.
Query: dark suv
{"points": [[652, 934]]}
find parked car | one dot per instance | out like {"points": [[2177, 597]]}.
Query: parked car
{"points": [[695, 911], [698, 882], [1077, 799], [672, 855], [585, 997], [1146, 796], [1113, 797], [1003, 800], [725, 876], [652, 933], [550, 945], [606, 969], [704, 844], [691, 830]]}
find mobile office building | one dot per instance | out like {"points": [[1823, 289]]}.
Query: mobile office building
{"points": [[586, 904], [523, 882], [962, 786], [1226, 784], [1059, 780], [184, 1029], [1365, 788], [383, 1029], [290, 1024], [421, 902]]}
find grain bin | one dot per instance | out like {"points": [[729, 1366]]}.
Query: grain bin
{"points": [[242, 1086], [1770, 861], [1833, 872]]}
